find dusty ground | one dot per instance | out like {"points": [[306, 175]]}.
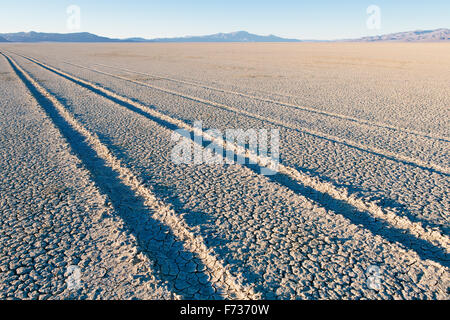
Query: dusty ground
{"points": [[87, 177]]}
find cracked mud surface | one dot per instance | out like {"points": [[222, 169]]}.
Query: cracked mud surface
{"points": [[69, 152]]}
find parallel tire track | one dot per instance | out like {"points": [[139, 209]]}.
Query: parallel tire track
{"points": [[286, 104], [352, 144], [164, 214], [341, 194]]}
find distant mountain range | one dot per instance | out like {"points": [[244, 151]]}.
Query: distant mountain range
{"points": [[55, 37], [240, 36], [411, 36]]}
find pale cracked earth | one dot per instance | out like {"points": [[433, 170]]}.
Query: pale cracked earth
{"points": [[87, 180]]}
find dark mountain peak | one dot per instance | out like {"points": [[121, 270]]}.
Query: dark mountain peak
{"points": [[240, 33]]}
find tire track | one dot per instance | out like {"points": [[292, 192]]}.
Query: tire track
{"points": [[286, 104], [220, 275], [341, 194], [352, 144]]}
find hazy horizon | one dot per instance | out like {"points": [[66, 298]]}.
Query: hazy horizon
{"points": [[227, 33]]}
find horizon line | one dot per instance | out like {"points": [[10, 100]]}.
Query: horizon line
{"points": [[224, 33]]}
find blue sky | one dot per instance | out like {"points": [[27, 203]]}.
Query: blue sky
{"points": [[320, 19]]}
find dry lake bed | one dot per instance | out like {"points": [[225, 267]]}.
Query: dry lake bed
{"points": [[93, 205]]}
